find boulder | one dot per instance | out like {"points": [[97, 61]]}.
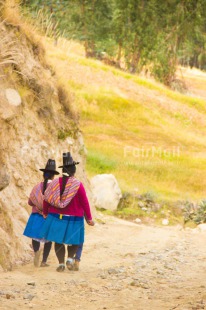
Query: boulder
{"points": [[106, 191]]}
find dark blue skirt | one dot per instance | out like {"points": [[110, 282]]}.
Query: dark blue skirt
{"points": [[34, 226], [63, 229]]}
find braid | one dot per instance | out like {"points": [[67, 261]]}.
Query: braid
{"points": [[45, 184], [70, 170], [47, 176], [64, 182]]}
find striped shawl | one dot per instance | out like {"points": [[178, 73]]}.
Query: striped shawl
{"points": [[37, 197], [52, 193]]}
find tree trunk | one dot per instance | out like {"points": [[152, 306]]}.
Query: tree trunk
{"points": [[135, 56], [119, 56]]}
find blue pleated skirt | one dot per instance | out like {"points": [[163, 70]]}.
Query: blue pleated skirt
{"points": [[63, 229], [34, 226]]}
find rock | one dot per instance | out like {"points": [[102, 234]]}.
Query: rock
{"points": [[4, 178], [31, 283], [10, 101], [115, 271], [20, 183], [16, 176], [106, 191], [165, 222], [141, 204], [202, 227], [69, 141], [138, 221], [137, 283], [156, 207], [9, 296], [29, 296], [84, 284], [13, 97]]}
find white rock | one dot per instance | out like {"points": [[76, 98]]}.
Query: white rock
{"points": [[13, 97], [69, 141], [138, 221], [106, 191], [201, 227], [165, 222]]}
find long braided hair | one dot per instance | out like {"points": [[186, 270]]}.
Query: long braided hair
{"points": [[47, 176], [70, 170]]}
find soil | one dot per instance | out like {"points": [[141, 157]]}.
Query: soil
{"points": [[124, 266]]}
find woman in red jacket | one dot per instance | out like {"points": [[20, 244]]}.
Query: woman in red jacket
{"points": [[65, 205]]}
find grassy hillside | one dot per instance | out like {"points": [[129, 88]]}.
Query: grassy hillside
{"points": [[151, 138]]}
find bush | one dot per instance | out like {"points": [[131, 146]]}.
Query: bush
{"points": [[194, 212]]}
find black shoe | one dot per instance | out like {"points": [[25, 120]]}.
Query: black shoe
{"points": [[61, 268]]}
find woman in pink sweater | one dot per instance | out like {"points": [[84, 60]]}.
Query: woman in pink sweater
{"points": [[64, 208]]}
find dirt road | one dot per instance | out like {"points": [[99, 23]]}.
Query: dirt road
{"points": [[124, 266]]}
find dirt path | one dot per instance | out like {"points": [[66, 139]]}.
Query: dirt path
{"points": [[124, 266]]}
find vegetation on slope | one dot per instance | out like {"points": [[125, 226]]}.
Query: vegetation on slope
{"points": [[151, 138], [133, 34]]}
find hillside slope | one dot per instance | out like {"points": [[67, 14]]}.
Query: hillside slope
{"points": [[34, 111], [151, 138]]}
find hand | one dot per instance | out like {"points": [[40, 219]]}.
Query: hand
{"points": [[44, 216], [90, 222]]}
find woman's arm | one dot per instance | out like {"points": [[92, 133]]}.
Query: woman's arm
{"points": [[84, 203], [45, 208]]}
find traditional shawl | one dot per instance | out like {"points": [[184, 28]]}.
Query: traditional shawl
{"points": [[52, 193], [37, 196]]}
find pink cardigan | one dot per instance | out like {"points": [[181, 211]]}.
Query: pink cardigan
{"points": [[79, 205]]}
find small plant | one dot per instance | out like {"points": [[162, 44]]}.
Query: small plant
{"points": [[201, 213], [63, 134], [195, 213]]}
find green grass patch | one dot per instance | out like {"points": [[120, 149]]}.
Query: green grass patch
{"points": [[99, 163]]}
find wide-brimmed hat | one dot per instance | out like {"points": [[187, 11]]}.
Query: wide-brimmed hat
{"points": [[68, 160], [50, 167]]}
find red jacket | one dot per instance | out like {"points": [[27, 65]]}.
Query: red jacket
{"points": [[78, 206]]}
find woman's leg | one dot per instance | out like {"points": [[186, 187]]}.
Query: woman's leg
{"points": [[47, 249], [36, 247], [60, 252], [79, 252], [71, 249], [78, 257]]}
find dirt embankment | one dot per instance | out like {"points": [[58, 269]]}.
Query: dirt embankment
{"points": [[124, 266], [36, 123]]}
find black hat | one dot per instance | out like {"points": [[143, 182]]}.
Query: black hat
{"points": [[50, 167], [68, 160]]}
